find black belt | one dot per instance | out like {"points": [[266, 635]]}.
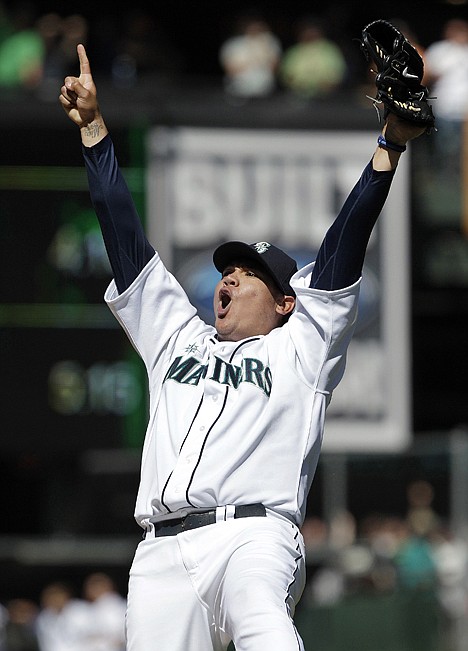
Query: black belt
{"points": [[195, 520]]}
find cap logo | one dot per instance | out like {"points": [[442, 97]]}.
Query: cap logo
{"points": [[261, 247]]}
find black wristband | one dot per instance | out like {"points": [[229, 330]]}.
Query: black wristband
{"points": [[390, 145]]}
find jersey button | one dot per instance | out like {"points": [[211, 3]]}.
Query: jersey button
{"points": [[215, 398], [202, 428]]}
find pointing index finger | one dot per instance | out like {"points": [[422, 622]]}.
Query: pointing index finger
{"points": [[85, 68]]}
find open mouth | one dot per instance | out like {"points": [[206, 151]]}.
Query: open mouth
{"points": [[224, 302]]}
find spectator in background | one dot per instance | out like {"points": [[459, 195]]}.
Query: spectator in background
{"points": [[36, 54], [447, 75], [451, 559], [421, 516], [315, 533], [314, 66], [60, 37], [19, 629], [414, 559], [106, 630], [63, 621], [415, 564], [144, 48], [22, 51], [250, 59], [50, 26], [75, 30]]}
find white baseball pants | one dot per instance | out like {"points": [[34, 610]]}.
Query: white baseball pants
{"points": [[234, 580]]}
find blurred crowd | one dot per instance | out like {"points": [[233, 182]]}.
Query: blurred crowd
{"points": [[417, 554], [311, 57], [63, 621], [38, 49], [256, 64]]}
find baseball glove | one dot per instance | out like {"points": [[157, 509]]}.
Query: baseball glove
{"points": [[399, 72]]}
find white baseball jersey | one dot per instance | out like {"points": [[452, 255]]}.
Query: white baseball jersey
{"points": [[232, 422]]}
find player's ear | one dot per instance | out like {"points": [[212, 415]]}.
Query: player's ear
{"points": [[285, 305]]}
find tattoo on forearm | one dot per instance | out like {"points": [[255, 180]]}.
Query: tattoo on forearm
{"points": [[93, 130]]}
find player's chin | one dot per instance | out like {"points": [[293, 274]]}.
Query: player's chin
{"points": [[224, 330], [221, 327]]}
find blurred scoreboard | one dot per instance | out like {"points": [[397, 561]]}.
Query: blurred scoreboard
{"points": [[70, 379]]}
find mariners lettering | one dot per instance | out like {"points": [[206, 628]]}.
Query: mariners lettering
{"points": [[189, 370], [226, 373], [257, 373], [181, 369]]}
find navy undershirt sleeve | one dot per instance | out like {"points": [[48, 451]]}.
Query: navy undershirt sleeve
{"points": [[341, 255], [124, 237]]}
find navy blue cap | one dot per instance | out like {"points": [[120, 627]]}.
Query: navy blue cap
{"points": [[278, 264]]}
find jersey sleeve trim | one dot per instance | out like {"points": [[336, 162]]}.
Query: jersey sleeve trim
{"points": [[112, 296], [300, 282]]}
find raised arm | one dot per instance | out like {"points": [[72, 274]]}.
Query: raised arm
{"points": [[341, 255], [126, 243]]}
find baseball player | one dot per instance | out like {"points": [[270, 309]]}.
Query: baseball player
{"points": [[236, 410]]}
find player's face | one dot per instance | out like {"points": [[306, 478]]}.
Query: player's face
{"points": [[247, 303]]}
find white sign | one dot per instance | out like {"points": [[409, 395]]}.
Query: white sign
{"points": [[206, 186]]}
